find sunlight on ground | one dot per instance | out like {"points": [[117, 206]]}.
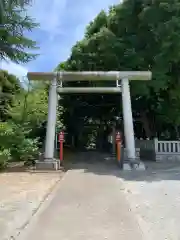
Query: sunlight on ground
{"points": [[21, 195]]}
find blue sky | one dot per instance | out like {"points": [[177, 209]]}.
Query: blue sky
{"points": [[62, 23]]}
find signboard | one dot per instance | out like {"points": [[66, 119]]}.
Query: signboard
{"points": [[118, 137], [61, 137], [57, 140]]}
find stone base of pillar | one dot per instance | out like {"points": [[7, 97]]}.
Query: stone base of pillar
{"points": [[52, 164], [134, 167]]}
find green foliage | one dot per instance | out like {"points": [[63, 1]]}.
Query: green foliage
{"points": [[6, 135], [8, 3], [14, 22], [9, 88], [99, 22], [134, 35], [22, 130], [28, 150], [15, 138], [5, 156], [27, 113], [30, 106]]}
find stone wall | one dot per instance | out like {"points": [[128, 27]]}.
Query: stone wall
{"points": [[147, 155], [174, 157], [157, 150]]}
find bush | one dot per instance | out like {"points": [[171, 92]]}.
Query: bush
{"points": [[4, 158], [15, 138], [28, 150]]}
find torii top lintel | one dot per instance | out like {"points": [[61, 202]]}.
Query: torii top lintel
{"points": [[89, 76]]}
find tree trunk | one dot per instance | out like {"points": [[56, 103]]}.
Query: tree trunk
{"points": [[146, 125]]}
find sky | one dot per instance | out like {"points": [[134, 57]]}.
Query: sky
{"points": [[62, 24]]}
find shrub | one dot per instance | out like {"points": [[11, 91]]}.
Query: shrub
{"points": [[15, 138], [4, 158], [28, 149]]}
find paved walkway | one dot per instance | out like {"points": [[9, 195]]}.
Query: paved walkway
{"points": [[89, 204]]}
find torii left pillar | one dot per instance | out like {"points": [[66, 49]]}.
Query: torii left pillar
{"points": [[49, 161]]}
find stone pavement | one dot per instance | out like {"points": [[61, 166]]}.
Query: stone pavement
{"points": [[88, 204]]}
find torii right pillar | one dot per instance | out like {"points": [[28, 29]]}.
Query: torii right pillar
{"points": [[128, 121]]}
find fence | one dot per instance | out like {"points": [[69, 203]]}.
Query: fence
{"points": [[158, 150]]}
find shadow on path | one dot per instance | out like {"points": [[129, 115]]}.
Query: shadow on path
{"points": [[103, 164]]}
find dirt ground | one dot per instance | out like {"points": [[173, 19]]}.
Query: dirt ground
{"points": [[21, 194]]}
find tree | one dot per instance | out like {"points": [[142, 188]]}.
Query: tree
{"points": [[8, 4], [14, 22], [9, 88], [30, 109], [151, 29], [135, 35], [22, 131]]}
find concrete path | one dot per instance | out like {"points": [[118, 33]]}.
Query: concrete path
{"points": [[89, 204]]}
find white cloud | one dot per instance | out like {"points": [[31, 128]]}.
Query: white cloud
{"points": [[88, 12], [48, 14], [15, 69]]}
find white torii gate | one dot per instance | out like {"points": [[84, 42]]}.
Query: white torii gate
{"points": [[64, 76]]}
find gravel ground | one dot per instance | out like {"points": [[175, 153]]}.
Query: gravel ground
{"points": [[155, 198], [21, 195]]}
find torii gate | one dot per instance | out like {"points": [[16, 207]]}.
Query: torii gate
{"points": [[63, 76]]}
